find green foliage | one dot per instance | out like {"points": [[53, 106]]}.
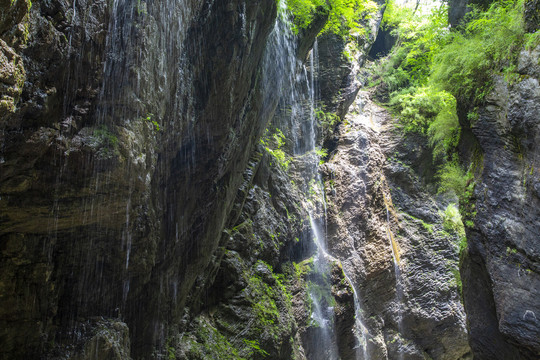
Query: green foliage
{"points": [[488, 44], [422, 107], [460, 62], [171, 353], [273, 145], [462, 243], [532, 40], [452, 220], [305, 10], [322, 153], [431, 67], [453, 178], [141, 8], [265, 298], [254, 345], [444, 131], [326, 119], [396, 78], [510, 251], [303, 268], [154, 123], [420, 38], [344, 16]]}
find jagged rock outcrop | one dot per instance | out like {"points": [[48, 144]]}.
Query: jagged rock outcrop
{"points": [[501, 269], [339, 63], [376, 202]]}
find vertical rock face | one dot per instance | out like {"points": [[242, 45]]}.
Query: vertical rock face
{"points": [[120, 158], [377, 206], [501, 269]]}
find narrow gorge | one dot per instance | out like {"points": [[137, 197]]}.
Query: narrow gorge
{"points": [[269, 179]]}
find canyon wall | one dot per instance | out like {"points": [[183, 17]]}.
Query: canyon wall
{"points": [[146, 212]]}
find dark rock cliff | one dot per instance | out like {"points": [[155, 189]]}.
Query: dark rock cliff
{"points": [[501, 267], [123, 137]]}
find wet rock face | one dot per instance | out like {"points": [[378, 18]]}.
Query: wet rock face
{"points": [[117, 170], [412, 310], [13, 29], [337, 79], [247, 309], [501, 270], [96, 338]]}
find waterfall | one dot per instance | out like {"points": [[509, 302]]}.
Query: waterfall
{"points": [[360, 330], [298, 103], [296, 116]]}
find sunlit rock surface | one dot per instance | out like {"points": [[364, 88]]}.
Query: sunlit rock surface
{"points": [[375, 199]]}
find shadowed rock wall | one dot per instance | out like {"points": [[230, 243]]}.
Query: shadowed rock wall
{"points": [[501, 268], [125, 126]]}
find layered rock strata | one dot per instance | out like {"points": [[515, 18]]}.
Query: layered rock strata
{"points": [[388, 231]]}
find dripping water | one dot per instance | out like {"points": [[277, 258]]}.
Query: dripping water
{"points": [[323, 257]]}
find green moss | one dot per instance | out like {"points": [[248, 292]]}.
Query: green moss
{"points": [[428, 227], [271, 301], [256, 348], [105, 142], [303, 268], [207, 343]]}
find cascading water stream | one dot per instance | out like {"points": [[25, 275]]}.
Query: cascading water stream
{"points": [[323, 258], [323, 316], [306, 149], [297, 103], [360, 330]]}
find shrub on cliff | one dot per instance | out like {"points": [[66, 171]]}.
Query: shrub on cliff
{"points": [[344, 16], [488, 44]]}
